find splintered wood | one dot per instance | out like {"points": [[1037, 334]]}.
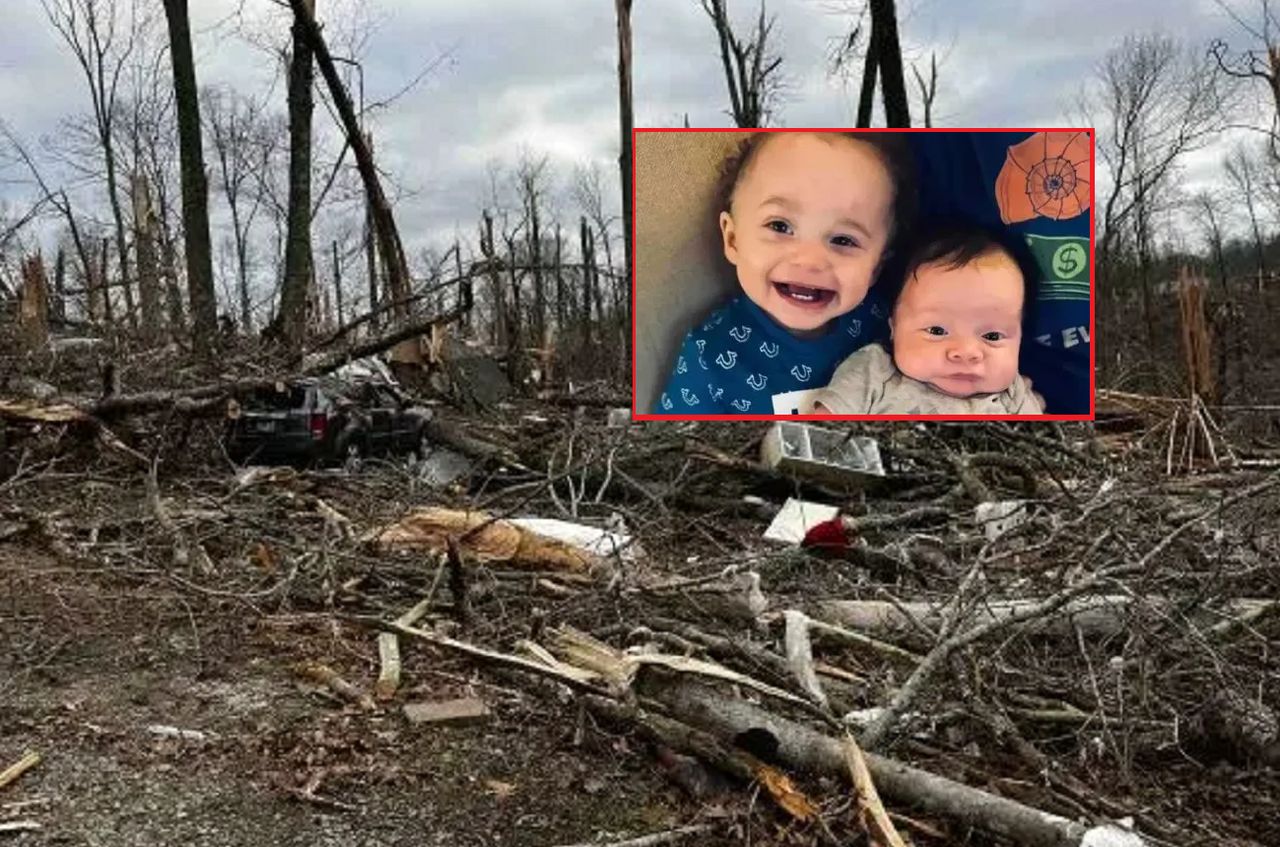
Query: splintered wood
{"points": [[483, 538], [322, 674]]}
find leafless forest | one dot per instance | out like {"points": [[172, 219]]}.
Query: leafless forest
{"points": [[541, 623]]}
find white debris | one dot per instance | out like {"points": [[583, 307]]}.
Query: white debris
{"points": [[601, 542], [1118, 834], [619, 417], [442, 466], [999, 516], [824, 455], [166, 731], [796, 518]]}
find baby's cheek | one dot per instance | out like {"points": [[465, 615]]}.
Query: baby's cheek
{"points": [[1008, 365], [911, 360]]}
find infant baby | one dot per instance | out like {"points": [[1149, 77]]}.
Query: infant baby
{"points": [[955, 330]]}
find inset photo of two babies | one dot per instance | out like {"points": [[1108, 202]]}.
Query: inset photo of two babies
{"points": [[889, 273]]}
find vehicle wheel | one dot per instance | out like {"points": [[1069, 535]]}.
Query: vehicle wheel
{"points": [[421, 449], [353, 457]]}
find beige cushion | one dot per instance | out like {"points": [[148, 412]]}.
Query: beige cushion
{"points": [[681, 272]]}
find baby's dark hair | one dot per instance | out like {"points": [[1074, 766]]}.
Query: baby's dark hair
{"points": [[891, 147], [954, 244]]}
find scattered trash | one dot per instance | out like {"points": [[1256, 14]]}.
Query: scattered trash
{"points": [[998, 517], [461, 711], [166, 731], [1118, 834], [822, 455], [442, 467], [598, 542], [619, 417], [796, 518], [828, 536]]}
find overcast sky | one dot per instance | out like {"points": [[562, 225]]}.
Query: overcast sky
{"points": [[511, 75]]}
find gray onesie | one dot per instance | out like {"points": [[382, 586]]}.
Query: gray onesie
{"points": [[868, 383]]}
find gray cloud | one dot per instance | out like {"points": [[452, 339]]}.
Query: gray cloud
{"points": [[514, 76]]}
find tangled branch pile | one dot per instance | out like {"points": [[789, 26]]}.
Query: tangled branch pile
{"points": [[1038, 681]]}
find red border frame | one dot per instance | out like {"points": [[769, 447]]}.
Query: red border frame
{"points": [[648, 416]]}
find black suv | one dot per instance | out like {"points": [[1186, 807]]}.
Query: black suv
{"points": [[314, 420]]}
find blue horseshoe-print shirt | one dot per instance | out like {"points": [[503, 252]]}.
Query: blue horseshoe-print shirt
{"points": [[739, 360]]}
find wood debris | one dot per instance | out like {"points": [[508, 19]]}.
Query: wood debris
{"points": [[18, 768]]}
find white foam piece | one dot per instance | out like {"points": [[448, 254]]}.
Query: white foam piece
{"points": [[601, 542], [796, 518]]}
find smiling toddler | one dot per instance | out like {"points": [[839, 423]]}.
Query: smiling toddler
{"points": [[806, 219]]}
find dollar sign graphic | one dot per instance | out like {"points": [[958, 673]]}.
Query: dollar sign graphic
{"points": [[1067, 260]]}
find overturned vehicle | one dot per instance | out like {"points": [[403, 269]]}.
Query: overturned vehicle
{"points": [[339, 418]]}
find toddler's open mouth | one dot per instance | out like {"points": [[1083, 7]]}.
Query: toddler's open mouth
{"points": [[803, 295]]}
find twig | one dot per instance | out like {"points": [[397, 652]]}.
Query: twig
{"points": [[18, 768], [327, 676], [904, 696], [848, 636], [669, 837]]}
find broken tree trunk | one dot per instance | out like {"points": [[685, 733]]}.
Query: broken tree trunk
{"points": [[801, 747], [1099, 616], [384, 222], [206, 397], [148, 267], [34, 309]]}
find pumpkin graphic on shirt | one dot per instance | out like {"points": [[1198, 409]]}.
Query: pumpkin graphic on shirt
{"points": [[1046, 175]]}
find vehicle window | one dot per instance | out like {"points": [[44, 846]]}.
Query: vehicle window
{"points": [[269, 399]]}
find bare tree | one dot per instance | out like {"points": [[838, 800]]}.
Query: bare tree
{"points": [[393, 258], [751, 69], [149, 125], [893, 87], [588, 193], [144, 237], [1157, 103], [242, 149], [928, 90], [1260, 62], [531, 178], [1243, 172], [623, 8], [60, 202], [102, 39], [195, 188], [298, 261], [1229, 331], [881, 61]]}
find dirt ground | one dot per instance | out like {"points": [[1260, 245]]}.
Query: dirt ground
{"points": [[91, 663]]}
